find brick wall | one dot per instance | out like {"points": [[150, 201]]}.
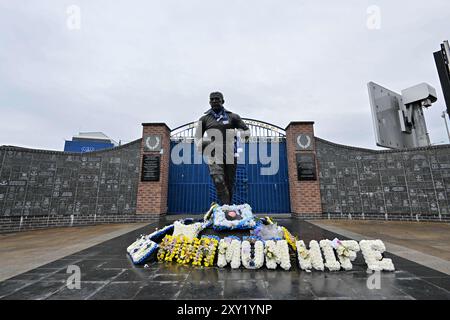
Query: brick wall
{"points": [[304, 195], [152, 195]]}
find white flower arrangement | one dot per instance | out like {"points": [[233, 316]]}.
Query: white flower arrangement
{"points": [[159, 233], [271, 252], [221, 256], [246, 253], [372, 251], [209, 213], [268, 232], [277, 253], [143, 239], [304, 256], [190, 231], [220, 222], [184, 247], [328, 252], [309, 259], [137, 244], [346, 251], [229, 252], [316, 256], [143, 252]]}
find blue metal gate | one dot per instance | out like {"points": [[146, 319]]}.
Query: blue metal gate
{"points": [[191, 190]]}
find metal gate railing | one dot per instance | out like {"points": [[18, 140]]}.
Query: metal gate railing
{"points": [[191, 190]]}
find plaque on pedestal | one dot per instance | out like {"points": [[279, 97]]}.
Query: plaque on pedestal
{"points": [[306, 166], [150, 167]]}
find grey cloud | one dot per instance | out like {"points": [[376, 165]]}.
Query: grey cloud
{"points": [[142, 61]]}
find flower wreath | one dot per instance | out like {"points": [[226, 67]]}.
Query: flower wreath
{"points": [[185, 250], [190, 231], [141, 253], [143, 248], [233, 217]]}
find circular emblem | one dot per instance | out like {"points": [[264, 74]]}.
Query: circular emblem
{"points": [[152, 142], [304, 141]]}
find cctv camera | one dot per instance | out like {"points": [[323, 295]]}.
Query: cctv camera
{"points": [[422, 93]]}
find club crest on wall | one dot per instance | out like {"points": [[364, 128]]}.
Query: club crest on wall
{"points": [[152, 143], [303, 141]]}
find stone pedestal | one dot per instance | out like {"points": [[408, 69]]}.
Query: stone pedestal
{"points": [[153, 189], [304, 194]]}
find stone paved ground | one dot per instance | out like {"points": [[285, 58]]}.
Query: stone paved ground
{"points": [[107, 273], [24, 251]]}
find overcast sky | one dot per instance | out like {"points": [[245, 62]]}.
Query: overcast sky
{"points": [[157, 61]]}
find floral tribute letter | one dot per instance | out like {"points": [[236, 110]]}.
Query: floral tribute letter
{"points": [[252, 253], [328, 252], [311, 258], [372, 251], [229, 252], [277, 253], [346, 251], [184, 250]]}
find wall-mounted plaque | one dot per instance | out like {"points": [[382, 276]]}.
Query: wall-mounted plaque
{"points": [[150, 167], [306, 166], [304, 141], [152, 142]]}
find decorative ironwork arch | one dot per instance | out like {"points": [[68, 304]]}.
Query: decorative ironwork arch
{"points": [[258, 128]]}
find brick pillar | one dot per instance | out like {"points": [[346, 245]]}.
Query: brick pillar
{"points": [[304, 195], [152, 195]]}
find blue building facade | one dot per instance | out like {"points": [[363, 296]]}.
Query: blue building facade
{"points": [[86, 146], [89, 142]]}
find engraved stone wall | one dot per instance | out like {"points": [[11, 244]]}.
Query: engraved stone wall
{"points": [[48, 183], [408, 184]]}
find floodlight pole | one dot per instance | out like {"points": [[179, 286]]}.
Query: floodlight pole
{"points": [[446, 125]]}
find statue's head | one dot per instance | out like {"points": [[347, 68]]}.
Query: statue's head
{"points": [[216, 100]]}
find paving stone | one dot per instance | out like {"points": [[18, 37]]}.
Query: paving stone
{"points": [[203, 290], [156, 290], [36, 291], [86, 290], [246, 289], [117, 264], [204, 274], [287, 289], [136, 275], [180, 277], [442, 282], [119, 291], [9, 286], [421, 289]]}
